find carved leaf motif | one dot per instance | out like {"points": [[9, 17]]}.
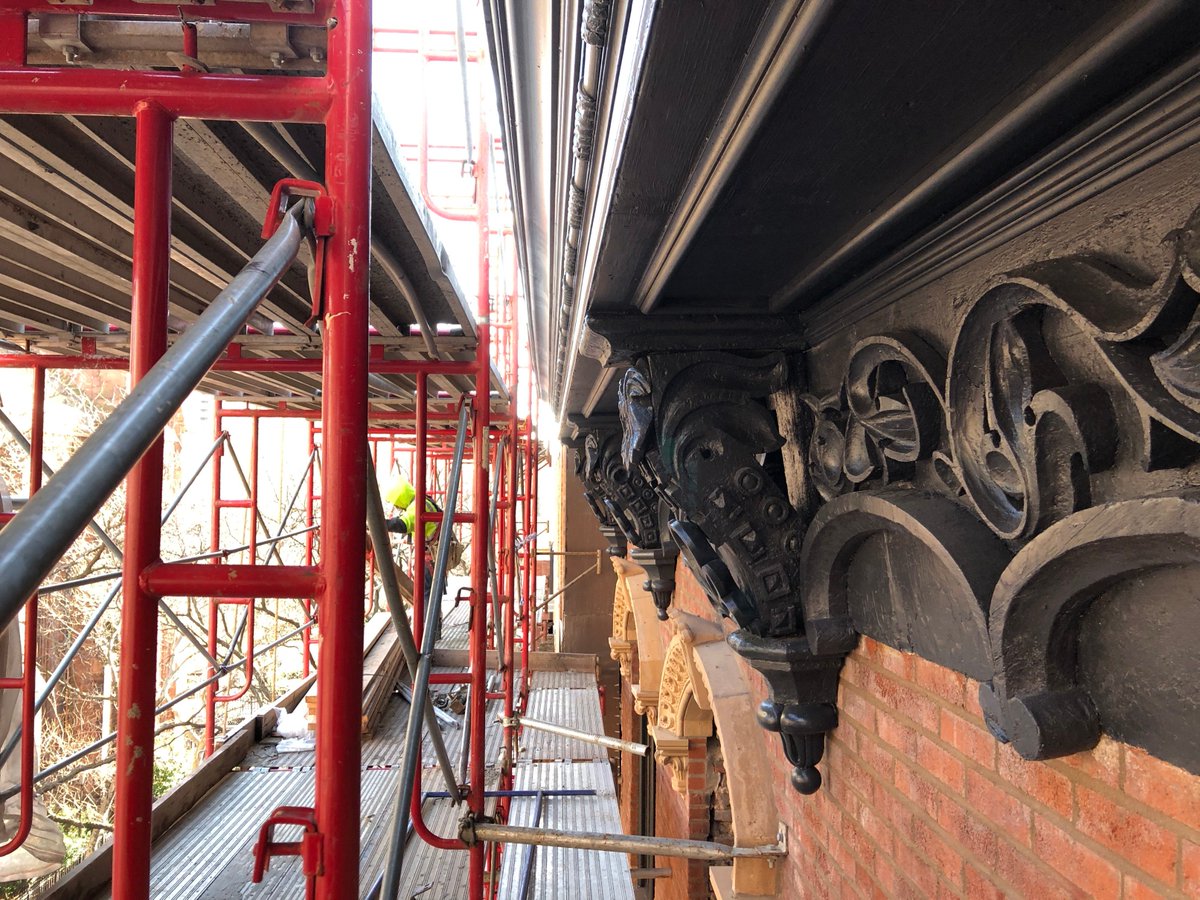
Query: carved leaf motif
{"points": [[1178, 368], [1024, 439], [892, 415], [892, 390]]}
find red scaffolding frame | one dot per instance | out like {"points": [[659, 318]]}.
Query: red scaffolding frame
{"points": [[330, 582]]}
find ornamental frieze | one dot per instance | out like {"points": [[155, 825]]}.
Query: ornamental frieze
{"points": [[1015, 503]]}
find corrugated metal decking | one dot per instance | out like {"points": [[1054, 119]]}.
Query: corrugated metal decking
{"points": [[208, 855]]}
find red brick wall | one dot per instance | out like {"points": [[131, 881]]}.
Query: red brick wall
{"points": [[677, 815], [920, 801], [629, 781]]}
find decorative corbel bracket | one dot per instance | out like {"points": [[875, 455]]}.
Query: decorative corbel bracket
{"points": [[671, 751], [699, 427], [625, 504]]}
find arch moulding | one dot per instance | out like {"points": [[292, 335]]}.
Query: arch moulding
{"points": [[702, 686]]}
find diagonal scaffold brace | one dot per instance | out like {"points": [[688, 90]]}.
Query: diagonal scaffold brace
{"points": [[46, 526]]}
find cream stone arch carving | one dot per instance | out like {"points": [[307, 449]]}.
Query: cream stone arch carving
{"points": [[747, 766], [703, 685], [650, 650], [682, 714], [624, 631]]}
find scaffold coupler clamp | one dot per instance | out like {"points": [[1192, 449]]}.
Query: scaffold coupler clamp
{"points": [[308, 848], [466, 827], [317, 218]]}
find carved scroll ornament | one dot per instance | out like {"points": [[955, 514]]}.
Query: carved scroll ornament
{"points": [[1054, 369], [1025, 419]]}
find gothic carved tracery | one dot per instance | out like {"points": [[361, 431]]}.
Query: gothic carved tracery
{"points": [[1059, 374]]}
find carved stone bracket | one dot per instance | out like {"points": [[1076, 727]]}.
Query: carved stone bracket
{"points": [[936, 471], [671, 751], [960, 487], [645, 701], [698, 425], [1094, 623], [625, 504], [802, 708], [912, 569], [659, 564]]}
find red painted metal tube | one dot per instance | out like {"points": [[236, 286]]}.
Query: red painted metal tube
{"points": [[423, 167], [339, 671], [310, 500], [139, 614], [480, 539], [214, 544], [417, 817], [232, 581], [27, 683], [214, 10], [247, 657], [509, 585], [12, 38], [238, 364], [449, 678], [107, 92], [420, 484]]}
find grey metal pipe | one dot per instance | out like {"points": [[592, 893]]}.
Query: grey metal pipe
{"points": [[473, 832], [527, 864], [586, 737], [98, 613], [300, 167], [464, 749], [460, 44], [377, 528], [34, 540], [196, 472], [116, 551], [395, 859], [493, 575]]}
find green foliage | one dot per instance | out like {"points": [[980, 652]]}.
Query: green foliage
{"points": [[167, 774]]}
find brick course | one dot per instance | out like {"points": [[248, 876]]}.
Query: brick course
{"points": [[920, 800]]}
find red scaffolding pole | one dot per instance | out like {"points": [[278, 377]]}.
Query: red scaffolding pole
{"points": [[139, 615], [344, 399], [331, 581]]}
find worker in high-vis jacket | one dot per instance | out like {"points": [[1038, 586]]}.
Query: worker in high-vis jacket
{"points": [[403, 496]]}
